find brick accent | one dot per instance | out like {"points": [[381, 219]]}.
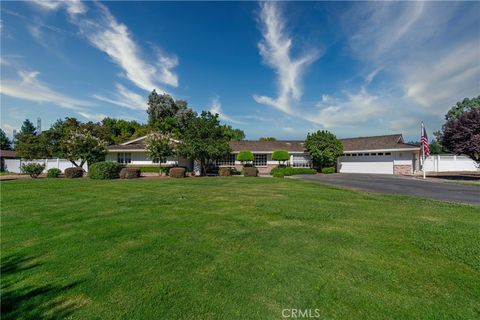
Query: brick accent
{"points": [[261, 170], [401, 170]]}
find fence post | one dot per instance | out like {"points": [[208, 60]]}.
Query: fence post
{"points": [[58, 163]]}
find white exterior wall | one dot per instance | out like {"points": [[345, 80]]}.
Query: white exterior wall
{"points": [[449, 163], [141, 159], [13, 165]]}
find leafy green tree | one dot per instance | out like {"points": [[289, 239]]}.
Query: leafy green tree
{"points": [[159, 147], [204, 140], [5, 143], [234, 134], [281, 156], [245, 156], [464, 106], [267, 139], [168, 115], [30, 146], [462, 135], [324, 148], [81, 144], [436, 147], [118, 131], [27, 128]]}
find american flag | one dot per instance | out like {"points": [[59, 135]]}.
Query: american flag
{"points": [[424, 142]]}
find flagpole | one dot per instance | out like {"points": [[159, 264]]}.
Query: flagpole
{"points": [[423, 153]]}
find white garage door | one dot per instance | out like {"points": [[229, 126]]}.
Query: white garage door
{"points": [[366, 164]]}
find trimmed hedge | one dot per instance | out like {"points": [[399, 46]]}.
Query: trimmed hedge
{"points": [[105, 170], [245, 155], [177, 172], [74, 172], [280, 172], [328, 170], [53, 173], [280, 155], [224, 171], [250, 171], [32, 169], [129, 173]]}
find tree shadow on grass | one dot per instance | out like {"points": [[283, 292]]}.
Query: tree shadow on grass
{"points": [[27, 302]]}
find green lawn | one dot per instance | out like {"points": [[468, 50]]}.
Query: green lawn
{"points": [[232, 248]]}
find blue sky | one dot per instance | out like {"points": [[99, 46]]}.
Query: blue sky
{"points": [[271, 69]]}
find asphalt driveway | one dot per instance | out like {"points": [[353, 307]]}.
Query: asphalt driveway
{"points": [[399, 185]]}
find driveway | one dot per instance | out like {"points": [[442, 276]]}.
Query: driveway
{"points": [[399, 185]]}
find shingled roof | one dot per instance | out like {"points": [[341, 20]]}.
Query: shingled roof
{"points": [[387, 142], [393, 141]]}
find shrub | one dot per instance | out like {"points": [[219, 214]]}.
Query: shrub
{"points": [[75, 172], [328, 170], [177, 172], [129, 173], [53, 173], [164, 170], [105, 170], [244, 156], [281, 156], [280, 172], [224, 172], [32, 169], [250, 171]]}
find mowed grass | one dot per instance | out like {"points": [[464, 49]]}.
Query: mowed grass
{"points": [[233, 248]]}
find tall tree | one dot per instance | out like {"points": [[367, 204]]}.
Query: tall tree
{"points": [[324, 148], [166, 114], [204, 140], [462, 135], [5, 143], [30, 146], [267, 139], [159, 147], [461, 107], [28, 127], [81, 144], [234, 134]]}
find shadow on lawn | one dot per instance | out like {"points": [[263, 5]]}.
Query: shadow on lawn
{"points": [[31, 302]]}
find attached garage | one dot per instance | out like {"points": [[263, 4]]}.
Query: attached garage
{"points": [[366, 163], [378, 155]]}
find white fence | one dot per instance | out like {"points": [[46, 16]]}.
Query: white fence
{"points": [[448, 162], [13, 165]]}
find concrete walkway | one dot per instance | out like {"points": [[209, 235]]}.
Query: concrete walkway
{"points": [[400, 185]]}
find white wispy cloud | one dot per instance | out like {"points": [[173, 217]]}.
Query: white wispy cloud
{"points": [[217, 108], [28, 87], [423, 46], [105, 33], [353, 109], [92, 116], [125, 98], [73, 7], [275, 49]]}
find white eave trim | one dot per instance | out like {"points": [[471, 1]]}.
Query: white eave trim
{"points": [[126, 150], [383, 150], [141, 138]]}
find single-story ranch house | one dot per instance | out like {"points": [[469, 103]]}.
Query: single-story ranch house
{"points": [[387, 154]]}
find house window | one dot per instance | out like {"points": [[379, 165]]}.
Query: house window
{"points": [[354, 154], [348, 154], [380, 153], [388, 153], [301, 160], [260, 159], [227, 161], [157, 160], [373, 154], [124, 157]]}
